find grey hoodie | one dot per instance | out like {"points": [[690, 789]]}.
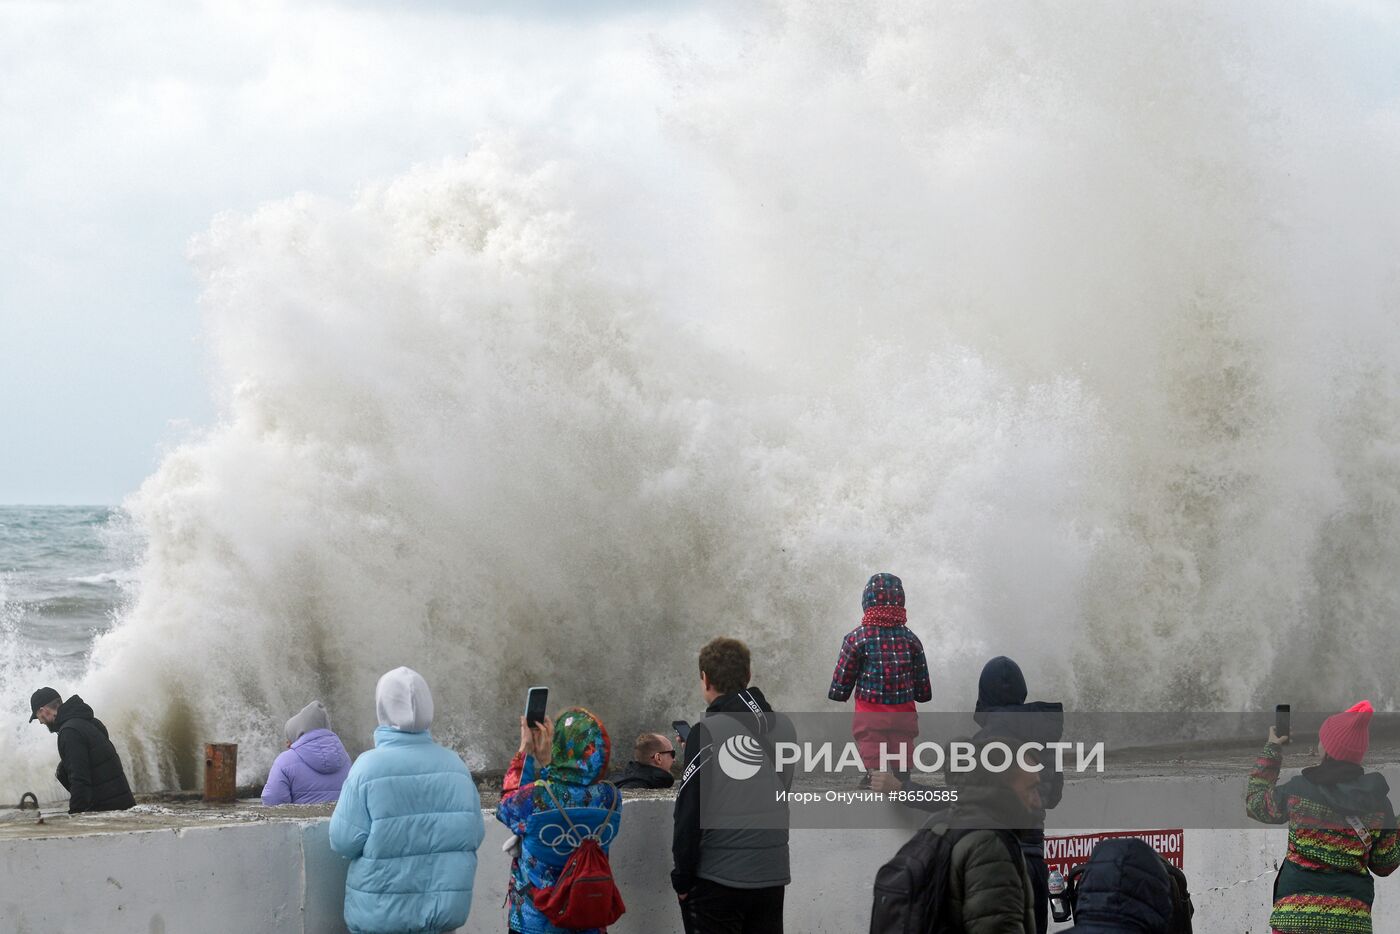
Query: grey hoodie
{"points": [[311, 717]]}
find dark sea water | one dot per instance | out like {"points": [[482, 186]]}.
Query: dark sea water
{"points": [[64, 573]]}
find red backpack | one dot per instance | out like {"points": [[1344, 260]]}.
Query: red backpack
{"points": [[585, 895]]}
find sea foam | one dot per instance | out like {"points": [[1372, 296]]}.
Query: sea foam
{"points": [[1081, 322]]}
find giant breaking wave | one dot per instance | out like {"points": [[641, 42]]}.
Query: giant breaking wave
{"points": [[1082, 323]]}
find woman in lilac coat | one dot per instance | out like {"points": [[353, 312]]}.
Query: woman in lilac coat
{"points": [[315, 764]]}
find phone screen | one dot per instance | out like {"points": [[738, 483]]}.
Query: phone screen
{"points": [[1283, 714], [535, 703], [682, 729]]}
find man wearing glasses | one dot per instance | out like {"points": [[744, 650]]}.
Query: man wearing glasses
{"points": [[652, 760], [88, 764]]}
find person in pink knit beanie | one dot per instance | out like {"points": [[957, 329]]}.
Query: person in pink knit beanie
{"points": [[1341, 829]]}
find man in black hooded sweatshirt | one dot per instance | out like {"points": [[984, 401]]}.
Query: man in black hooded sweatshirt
{"points": [[1002, 711], [730, 880], [88, 764]]}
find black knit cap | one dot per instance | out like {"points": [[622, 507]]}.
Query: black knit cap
{"points": [[41, 698]]}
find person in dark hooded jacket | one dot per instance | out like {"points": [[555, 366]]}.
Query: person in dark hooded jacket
{"points": [[1002, 710], [731, 879], [88, 764], [990, 890], [1124, 890]]}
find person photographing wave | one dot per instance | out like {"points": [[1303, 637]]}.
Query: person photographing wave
{"points": [[554, 798], [1341, 829]]}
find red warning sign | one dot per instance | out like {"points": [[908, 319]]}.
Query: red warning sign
{"points": [[1066, 852]]}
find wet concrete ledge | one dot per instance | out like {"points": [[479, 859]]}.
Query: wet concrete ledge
{"points": [[174, 865], [244, 869]]}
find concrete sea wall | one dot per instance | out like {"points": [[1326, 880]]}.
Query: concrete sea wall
{"points": [[279, 876]]}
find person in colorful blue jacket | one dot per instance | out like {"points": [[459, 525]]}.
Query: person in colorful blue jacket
{"points": [[571, 757], [409, 819]]}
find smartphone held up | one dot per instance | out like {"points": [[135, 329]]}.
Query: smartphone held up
{"points": [[535, 702]]}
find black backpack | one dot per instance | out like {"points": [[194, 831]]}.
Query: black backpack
{"points": [[1182, 909], [911, 890]]}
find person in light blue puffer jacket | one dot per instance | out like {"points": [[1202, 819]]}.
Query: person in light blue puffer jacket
{"points": [[409, 819]]}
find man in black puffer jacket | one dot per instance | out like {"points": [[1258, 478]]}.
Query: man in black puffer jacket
{"points": [[1124, 890], [88, 764]]}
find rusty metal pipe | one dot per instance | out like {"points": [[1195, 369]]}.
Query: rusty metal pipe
{"points": [[220, 772]]}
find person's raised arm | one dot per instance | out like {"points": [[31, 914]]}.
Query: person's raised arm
{"points": [[516, 770], [542, 749], [1262, 801]]}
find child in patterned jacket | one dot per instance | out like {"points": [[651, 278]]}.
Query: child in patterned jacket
{"points": [[883, 662]]}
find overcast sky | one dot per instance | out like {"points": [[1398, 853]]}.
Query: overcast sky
{"points": [[124, 128]]}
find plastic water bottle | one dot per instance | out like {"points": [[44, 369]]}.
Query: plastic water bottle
{"points": [[1059, 896]]}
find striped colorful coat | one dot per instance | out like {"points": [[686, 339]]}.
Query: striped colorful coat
{"points": [[1338, 835]]}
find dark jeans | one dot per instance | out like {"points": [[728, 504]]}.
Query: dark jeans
{"points": [[1040, 888], [711, 908]]}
